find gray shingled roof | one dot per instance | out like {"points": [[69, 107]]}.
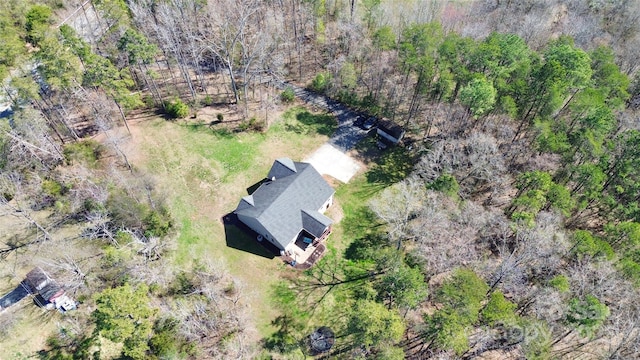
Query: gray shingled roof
{"points": [[390, 128], [281, 167], [314, 222], [289, 203]]}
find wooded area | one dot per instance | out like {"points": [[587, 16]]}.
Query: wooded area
{"points": [[509, 228]]}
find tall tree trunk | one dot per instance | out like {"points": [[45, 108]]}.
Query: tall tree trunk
{"points": [[124, 118]]}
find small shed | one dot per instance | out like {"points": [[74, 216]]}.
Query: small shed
{"points": [[390, 131]]}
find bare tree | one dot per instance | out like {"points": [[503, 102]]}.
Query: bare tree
{"points": [[476, 163], [397, 205], [30, 144], [228, 35], [445, 233], [211, 314], [103, 112], [14, 202], [526, 255]]}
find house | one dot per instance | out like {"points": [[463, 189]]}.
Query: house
{"points": [[287, 209], [47, 293], [390, 131]]}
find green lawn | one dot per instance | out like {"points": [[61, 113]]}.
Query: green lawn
{"points": [[204, 171], [384, 169]]}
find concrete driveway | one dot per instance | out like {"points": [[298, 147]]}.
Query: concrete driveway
{"points": [[329, 160]]}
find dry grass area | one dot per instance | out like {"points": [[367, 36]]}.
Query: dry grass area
{"points": [[204, 170], [25, 328]]}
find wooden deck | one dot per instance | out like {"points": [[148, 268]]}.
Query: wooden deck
{"points": [[311, 260]]}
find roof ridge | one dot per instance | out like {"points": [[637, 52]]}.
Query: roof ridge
{"points": [[282, 193]]}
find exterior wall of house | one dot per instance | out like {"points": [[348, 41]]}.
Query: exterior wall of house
{"points": [[255, 225], [292, 243], [326, 205]]}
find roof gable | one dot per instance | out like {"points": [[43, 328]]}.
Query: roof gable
{"points": [[282, 167], [391, 128], [314, 222], [246, 202]]}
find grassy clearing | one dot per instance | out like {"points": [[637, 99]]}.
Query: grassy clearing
{"points": [[385, 169], [205, 171]]}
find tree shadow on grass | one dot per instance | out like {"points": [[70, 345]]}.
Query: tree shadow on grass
{"points": [[367, 190], [284, 340], [393, 166], [360, 222], [238, 236], [320, 123], [211, 128]]}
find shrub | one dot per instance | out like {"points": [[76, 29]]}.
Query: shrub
{"points": [[177, 109], [53, 188], [231, 289], [370, 105], [348, 97], [287, 95], [560, 283], [184, 283], [220, 117], [127, 213], [446, 184], [252, 124], [148, 101], [321, 82], [114, 257], [157, 223], [207, 101], [85, 151], [166, 342]]}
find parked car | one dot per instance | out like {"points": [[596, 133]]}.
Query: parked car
{"points": [[370, 123], [359, 121]]}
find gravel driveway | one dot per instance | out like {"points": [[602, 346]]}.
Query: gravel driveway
{"points": [[331, 158], [346, 136]]}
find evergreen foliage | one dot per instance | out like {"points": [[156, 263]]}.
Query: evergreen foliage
{"points": [[177, 109], [123, 315]]}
